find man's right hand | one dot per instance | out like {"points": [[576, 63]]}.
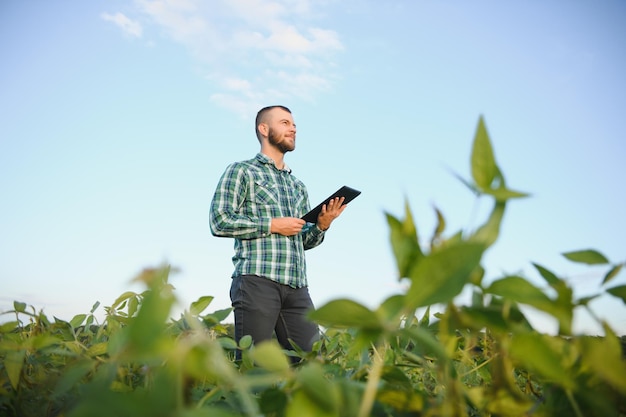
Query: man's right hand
{"points": [[286, 226]]}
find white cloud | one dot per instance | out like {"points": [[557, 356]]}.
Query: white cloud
{"points": [[254, 50], [129, 26]]}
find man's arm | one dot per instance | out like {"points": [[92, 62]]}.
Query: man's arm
{"points": [[225, 218]]}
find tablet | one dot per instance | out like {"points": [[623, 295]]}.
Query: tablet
{"points": [[348, 193]]}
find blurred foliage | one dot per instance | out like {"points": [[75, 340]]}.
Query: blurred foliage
{"points": [[481, 359]]}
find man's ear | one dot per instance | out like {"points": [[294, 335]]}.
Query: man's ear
{"points": [[263, 129]]}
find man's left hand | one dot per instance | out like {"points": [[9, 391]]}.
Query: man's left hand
{"points": [[330, 212]]}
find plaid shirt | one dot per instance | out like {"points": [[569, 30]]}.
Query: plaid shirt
{"points": [[249, 194]]}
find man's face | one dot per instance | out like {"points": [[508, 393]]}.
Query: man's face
{"points": [[282, 131]]}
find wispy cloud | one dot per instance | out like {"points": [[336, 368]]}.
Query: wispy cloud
{"points": [[129, 26], [254, 51]]}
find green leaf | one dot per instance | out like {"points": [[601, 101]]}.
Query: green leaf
{"points": [[269, 355], [536, 353], [619, 292], [146, 329], [78, 320], [95, 307], [395, 378], [612, 273], [200, 305], [467, 183], [518, 289], [439, 229], [405, 401], [492, 318], [19, 307], [604, 356], [72, 376], [273, 402], [301, 405], [425, 320], [133, 306], [483, 162], [391, 309], [489, 232], [9, 326], [404, 241], [426, 342], [318, 388], [344, 313], [440, 276], [228, 343], [245, 342], [588, 256], [13, 363], [97, 349], [504, 194], [122, 298], [216, 317], [548, 275]]}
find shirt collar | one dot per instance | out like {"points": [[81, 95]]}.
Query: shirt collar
{"points": [[264, 159]]}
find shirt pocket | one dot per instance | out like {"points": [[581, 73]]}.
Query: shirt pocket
{"points": [[265, 193]]}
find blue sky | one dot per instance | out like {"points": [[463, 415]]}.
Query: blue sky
{"points": [[118, 117]]}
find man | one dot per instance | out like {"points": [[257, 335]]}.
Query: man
{"points": [[259, 203]]}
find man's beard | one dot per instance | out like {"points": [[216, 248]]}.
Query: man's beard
{"points": [[282, 146]]}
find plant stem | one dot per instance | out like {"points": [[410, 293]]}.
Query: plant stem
{"points": [[372, 382]]}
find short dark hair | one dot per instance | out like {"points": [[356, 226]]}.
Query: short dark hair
{"points": [[261, 117]]}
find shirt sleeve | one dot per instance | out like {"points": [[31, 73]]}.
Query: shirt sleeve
{"points": [[226, 218], [312, 236]]}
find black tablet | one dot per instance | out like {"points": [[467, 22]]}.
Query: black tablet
{"points": [[348, 193]]}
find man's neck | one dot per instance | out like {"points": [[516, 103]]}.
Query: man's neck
{"points": [[275, 155]]}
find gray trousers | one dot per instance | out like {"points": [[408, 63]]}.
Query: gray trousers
{"points": [[263, 307]]}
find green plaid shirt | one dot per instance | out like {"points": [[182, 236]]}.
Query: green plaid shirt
{"points": [[248, 195]]}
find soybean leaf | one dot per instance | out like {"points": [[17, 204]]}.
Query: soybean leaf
{"points": [[612, 273], [77, 320], [19, 307], [587, 256], [425, 341], [200, 305], [318, 388], [441, 226], [467, 183], [484, 167], [122, 298], [228, 343], [404, 241], [503, 194], [13, 364], [344, 313], [245, 342], [9, 326], [440, 276], [619, 292], [301, 405], [217, 316], [269, 355], [520, 290], [391, 309], [95, 307], [548, 275], [537, 354], [273, 402], [604, 356], [488, 233]]}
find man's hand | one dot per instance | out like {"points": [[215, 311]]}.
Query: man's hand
{"points": [[330, 213], [286, 226]]}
